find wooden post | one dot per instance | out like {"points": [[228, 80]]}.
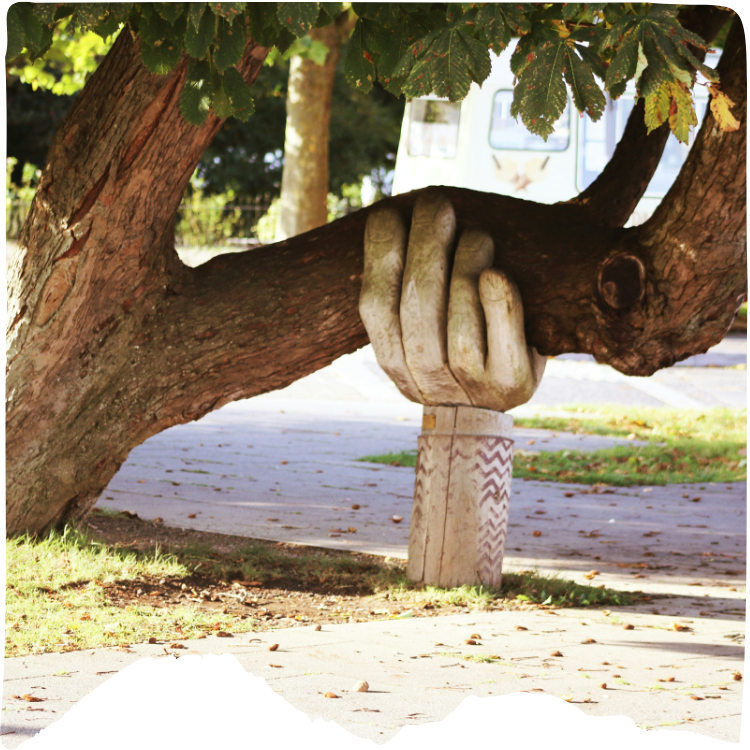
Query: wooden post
{"points": [[461, 497]]}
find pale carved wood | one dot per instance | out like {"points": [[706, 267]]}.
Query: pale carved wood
{"points": [[461, 497]]}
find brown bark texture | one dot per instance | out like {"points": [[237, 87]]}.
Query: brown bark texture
{"points": [[111, 339], [303, 203]]}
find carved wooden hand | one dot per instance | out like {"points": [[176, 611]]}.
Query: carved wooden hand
{"points": [[445, 336]]}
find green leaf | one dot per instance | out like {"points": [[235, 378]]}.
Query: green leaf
{"points": [[492, 27], [118, 14], [393, 44], [154, 29], [358, 68], [329, 13], [298, 18], [170, 11], [230, 11], [622, 67], [163, 57], [682, 115], [32, 28], [198, 41], [587, 96], [195, 13], [657, 105], [221, 103], [457, 59], [195, 100], [16, 36], [523, 55], [45, 12], [592, 59], [263, 26], [569, 10], [89, 15], [230, 44], [540, 96], [239, 94]]}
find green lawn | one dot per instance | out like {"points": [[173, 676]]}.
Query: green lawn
{"points": [[684, 446]]}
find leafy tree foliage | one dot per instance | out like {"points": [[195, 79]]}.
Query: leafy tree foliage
{"points": [[415, 49], [245, 157]]}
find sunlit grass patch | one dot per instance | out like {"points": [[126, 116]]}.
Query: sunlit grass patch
{"points": [[684, 446]]}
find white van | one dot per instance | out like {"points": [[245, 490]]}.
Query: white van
{"points": [[477, 144]]}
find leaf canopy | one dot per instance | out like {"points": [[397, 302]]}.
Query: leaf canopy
{"points": [[412, 49]]}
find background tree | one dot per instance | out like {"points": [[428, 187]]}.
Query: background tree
{"points": [[111, 339], [305, 183]]}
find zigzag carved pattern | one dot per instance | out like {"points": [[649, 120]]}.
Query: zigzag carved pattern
{"points": [[495, 465], [425, 467]]}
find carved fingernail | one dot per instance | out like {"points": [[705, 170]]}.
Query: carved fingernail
{"points": [[431, 208], [382, 225]]}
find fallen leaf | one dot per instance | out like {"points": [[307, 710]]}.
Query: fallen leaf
{"points": [[476, 635], [177, 645], [471, 642], [737, 676], [275, 666], [29, 698], [695, 500], [396, 519], [318, 627], [555, 653], [628, 626], [331, 695], [570, 494], [191, 515], [355, 506], [272, 519], [696, 698], [223, 634], [537, 533], [352, 530], [361, 687], [678, 627], [589, 640], [273, 647], [603, 686], [152, 640], [283, 462], [521, 627]]}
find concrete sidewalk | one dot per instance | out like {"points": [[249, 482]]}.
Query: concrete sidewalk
{"points": [[283, 466]]}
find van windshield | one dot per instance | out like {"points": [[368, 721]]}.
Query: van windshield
{"points": [[508, 133]]}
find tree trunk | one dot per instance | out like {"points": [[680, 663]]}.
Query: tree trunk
{"points": [[303, 202], [112, 340]]}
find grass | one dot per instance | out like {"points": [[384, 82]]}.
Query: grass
{"points": [[683, 446], [56, 598]]}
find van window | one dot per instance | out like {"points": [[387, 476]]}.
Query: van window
{"points": [[597, 141], [508, 133], [433, 128]]}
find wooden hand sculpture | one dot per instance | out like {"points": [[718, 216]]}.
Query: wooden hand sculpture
{"points": [[450, 334], [447, 331]]}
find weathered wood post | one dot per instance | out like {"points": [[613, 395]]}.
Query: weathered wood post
{"points": [[461, 497]]}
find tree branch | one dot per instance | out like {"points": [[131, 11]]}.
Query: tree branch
{"points": [[613, 195]]}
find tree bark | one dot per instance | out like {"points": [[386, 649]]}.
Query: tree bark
{"points": [[112, 340], [303, 203]]}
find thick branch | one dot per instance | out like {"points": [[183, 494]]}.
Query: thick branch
{"points": [[615, 193]]}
